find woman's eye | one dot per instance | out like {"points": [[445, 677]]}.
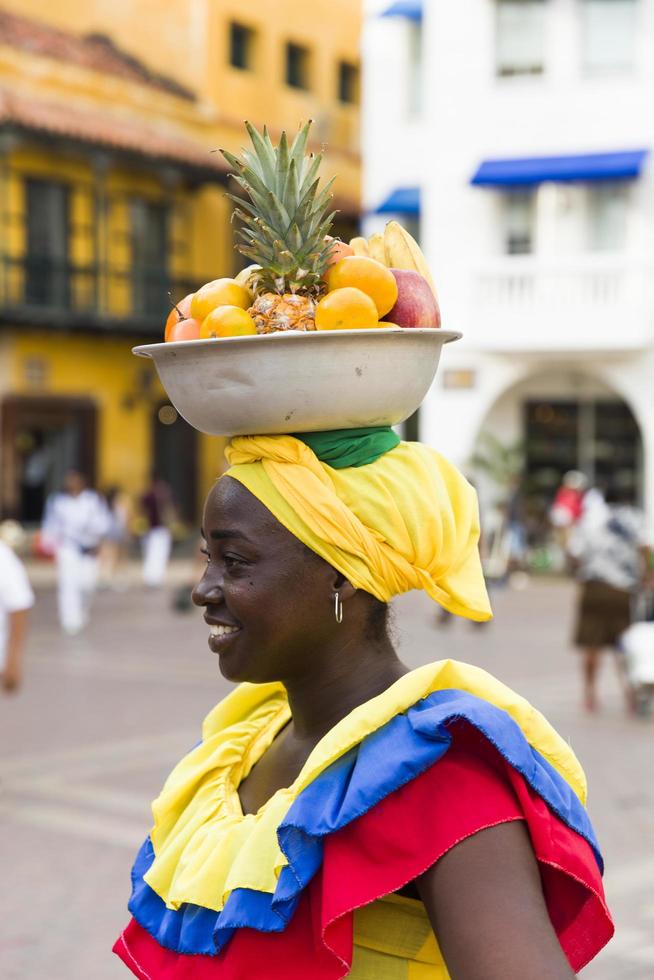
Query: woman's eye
{"points": [[233, 561], [203, 551]]}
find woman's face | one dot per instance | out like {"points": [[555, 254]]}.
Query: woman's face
{"points": [[267, 600]]}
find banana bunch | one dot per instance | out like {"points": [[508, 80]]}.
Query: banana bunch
{"points": [[395, 248]]}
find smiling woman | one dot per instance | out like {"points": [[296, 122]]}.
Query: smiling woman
{"points": [[343, 815], [265, 593]]}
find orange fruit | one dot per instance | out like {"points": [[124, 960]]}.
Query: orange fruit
{"points": [[227, 321], [183, 308], [368, 275], [346, 309], [387, 323], [219, 292], [338, 251], [184, 330]]}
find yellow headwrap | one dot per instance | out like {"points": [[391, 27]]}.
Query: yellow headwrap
{"points": [[408, 520]]}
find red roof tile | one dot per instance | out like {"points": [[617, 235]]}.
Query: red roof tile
{"points": [[95, 51], [106, 129]]}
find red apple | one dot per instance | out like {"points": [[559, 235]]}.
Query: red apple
{"points": [[416, 304]]}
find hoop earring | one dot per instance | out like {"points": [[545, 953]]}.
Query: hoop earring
{"points": [[338, 607]]}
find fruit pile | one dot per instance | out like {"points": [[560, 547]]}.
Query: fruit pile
{"points": [[301, 278]]}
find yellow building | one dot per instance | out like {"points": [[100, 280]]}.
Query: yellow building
{"points": [[112, 199]]}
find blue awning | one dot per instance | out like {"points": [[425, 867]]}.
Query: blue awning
{"points": [[403, 200], [411, 9], [534, 170]]}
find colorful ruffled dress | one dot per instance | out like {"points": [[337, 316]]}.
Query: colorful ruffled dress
{"points": [[306, 888]]}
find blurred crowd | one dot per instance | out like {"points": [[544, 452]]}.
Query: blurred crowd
{"points": [[597, 535], [89, 536]]}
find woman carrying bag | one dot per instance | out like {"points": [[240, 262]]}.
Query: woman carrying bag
{"points": [[611, 556]]}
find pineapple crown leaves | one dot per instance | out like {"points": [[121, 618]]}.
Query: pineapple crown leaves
{"points": [[285, 216]]}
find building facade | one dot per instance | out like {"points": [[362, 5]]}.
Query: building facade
{"points": [[517, 135], [112, 203]]}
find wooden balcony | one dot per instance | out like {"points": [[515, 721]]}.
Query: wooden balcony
{"points": [[40, 292]]}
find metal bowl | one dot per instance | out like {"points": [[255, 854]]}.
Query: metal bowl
{"points": [[299, 382]]}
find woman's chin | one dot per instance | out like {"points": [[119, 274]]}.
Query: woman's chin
{"points": [[239, 672], [232, 668]]}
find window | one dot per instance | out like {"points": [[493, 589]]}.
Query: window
{"points": [[150, 281], [47, 269], [520, 37], [608, 34], [416, 68], [348, 83], [241, 46], [297, 66], [607, 217], [519, 220]]}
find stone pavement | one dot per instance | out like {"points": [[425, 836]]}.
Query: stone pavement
{"points": [[101, 718]]}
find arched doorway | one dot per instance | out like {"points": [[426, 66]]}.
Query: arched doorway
{"points": [[557, 420]]}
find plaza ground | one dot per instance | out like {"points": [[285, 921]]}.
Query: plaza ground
{"points": [[101, 718]]}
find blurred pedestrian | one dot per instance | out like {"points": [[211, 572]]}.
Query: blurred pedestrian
{"points": [[593, 508], [75, 523], [113, 550], [637, 643], [16, 599], [611, 556], [158, 511], [568, 506]]}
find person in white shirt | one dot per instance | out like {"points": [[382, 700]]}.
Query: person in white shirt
{"points": [[16, 599], [158, 509], [75, 523]]}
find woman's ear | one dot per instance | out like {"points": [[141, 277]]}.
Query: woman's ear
{"points": [[343, 586]]}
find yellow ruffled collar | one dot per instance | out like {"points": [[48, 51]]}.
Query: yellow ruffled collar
{"points": [[205, 846]]}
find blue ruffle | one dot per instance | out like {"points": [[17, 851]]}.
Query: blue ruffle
{"points": [[384, 761]]}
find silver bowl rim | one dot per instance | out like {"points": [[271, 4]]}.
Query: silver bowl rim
{"points": [[295, 336]]}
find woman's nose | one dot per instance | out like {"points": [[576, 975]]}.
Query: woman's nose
{"points": [[208, 591]]}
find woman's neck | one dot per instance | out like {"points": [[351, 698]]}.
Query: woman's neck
{"points": [[334, 686]]}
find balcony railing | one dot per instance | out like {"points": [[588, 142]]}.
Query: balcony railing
{"points": [[45, 291], [592, 302]]}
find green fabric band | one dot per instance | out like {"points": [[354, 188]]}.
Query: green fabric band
{"points": [[350, 447]]}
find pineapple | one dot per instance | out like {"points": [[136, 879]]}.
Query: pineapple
{"points": [[285, 224]]}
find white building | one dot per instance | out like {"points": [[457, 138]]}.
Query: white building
{"points": [[516, 135]]}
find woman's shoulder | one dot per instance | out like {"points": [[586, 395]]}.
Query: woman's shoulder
{"points": [[432, 695], [490, 698], [392, 739]]}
